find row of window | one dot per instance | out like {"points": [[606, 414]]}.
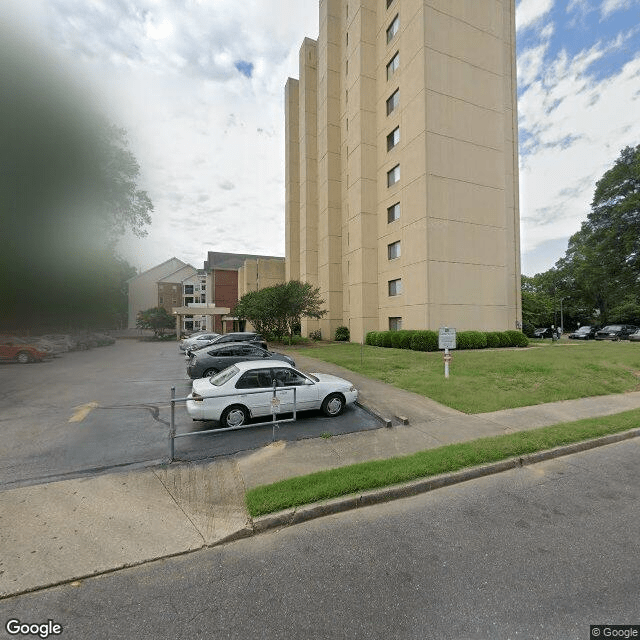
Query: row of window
{"points": [[393, 175]]}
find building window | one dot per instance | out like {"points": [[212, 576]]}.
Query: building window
{"points": [[393, 138], [395, 287], [393, 65], [393, 176], [392, 101], [188, 289], [395, 324], [393, 250], [393, 212], [161, 300], [393, 28]]}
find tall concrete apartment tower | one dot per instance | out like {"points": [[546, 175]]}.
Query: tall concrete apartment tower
{"points": [[402, 166]]}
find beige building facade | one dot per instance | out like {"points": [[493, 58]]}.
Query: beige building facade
{"points": [[402, 166], [260, 273]]}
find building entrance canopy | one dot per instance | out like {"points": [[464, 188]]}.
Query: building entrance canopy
{"points": [[198, 310]]}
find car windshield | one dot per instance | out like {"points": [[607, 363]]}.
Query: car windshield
{"points": [[583, 330], [220, 378], [613, 327]]}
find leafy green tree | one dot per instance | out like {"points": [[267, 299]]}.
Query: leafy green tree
{"points": [[68, 192], [157, 319], [278, 310]]}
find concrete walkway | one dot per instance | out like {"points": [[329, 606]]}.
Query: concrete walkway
{"points": [[67, 530]]}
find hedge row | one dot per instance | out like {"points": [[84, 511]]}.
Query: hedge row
{"points": [[419, 340]]}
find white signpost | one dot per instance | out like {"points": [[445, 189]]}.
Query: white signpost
{"points": [[446, 341]]}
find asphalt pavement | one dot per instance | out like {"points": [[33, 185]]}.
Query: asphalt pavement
{"points": [[63, 531]]}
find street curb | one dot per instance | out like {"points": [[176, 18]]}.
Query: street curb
{"points": [[378, 416], [304, 513]]}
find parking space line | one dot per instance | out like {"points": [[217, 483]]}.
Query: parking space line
{"points": [[83, 411]]}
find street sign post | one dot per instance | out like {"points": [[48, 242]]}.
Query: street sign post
{"points": [[446, 341]]}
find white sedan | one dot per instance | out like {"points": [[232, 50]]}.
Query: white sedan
{"points": [[245, 390]]}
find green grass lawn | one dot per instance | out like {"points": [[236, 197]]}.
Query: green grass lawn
{"points": [[356, 478], [495, 379]]}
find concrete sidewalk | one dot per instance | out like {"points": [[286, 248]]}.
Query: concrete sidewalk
{"points": [[64, 531]]}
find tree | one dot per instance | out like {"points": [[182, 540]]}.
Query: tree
{"points": [[68, 192], [157, 319], [278, 310], [599, 276]]}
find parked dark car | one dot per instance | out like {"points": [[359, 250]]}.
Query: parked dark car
{"points": [[586, 332], [205, 362], [616, 332], [237, 336], [542, 333]]}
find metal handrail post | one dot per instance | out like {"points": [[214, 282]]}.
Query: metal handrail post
{"points": [[172, 425]]}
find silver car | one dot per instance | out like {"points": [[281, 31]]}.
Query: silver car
{"points": [[198, 340], [216, 357]]}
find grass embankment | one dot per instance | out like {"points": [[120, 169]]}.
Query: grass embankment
{"points": [[361, 477], [491, 380]]}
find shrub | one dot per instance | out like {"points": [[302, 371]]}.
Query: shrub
{"points": [[517, 338], [424, 341], [471, 340], [386, 339], [405, 339], [504, 339], [342, 334], [316, 335], [395, 339], [493, 339]]}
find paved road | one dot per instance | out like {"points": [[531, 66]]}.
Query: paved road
{"points": [[540, 552], [108, 407]]}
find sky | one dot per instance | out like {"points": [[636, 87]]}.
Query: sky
{"points": [[199, 87]]}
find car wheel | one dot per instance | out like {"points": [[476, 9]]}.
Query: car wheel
{"points": [[333, 405], [23, 357], [209, 372], [234, 416]]}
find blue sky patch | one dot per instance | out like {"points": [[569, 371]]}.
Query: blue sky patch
{"points": [[244, 67]]}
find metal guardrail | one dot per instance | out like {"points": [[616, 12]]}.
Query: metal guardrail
{"points": [[274, 421]]}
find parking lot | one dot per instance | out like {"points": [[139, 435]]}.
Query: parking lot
{"points": [[91, 411]]}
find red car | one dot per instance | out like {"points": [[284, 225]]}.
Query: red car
{"points": [[20, 350]]}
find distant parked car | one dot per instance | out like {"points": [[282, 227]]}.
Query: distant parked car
{"points": [[21, 351], [217, 357], [201, 339], [224, 397], [586, 332], [236, 336], [616, 332], [635, 337], [61, 342], [542, 333]]}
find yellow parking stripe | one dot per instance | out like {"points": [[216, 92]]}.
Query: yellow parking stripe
{"points": [[83, 411]]}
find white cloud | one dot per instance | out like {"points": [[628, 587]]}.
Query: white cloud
{"points": [[573, 128], [530, 12], [611, 6]]}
